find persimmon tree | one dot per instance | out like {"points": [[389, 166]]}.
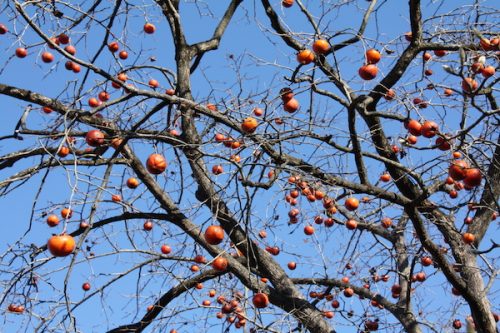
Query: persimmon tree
{"points": [[269, 166]]}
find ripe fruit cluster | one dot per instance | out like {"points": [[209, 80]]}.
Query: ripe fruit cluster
{"points": [[428, 129], [369, 71], [15, 308], [232, 308], [290, 104], [319, 47]]}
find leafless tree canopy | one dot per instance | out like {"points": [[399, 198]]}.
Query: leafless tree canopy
{"points": [[319, 166]]}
